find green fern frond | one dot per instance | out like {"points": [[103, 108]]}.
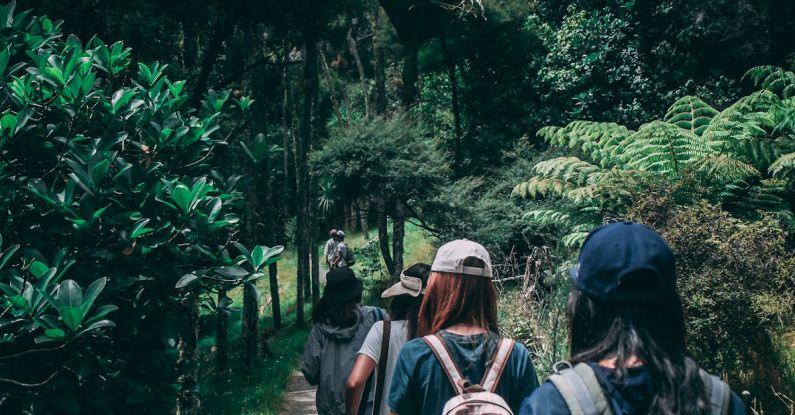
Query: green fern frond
{"points": [[747, 198], [691, 113], [774, 79], [596, 139], [548, 217], [663, 148], [784, 166], [538, 186], [723, 169], [570, 169], [577, 234]]}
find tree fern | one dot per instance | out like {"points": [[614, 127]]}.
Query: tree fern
{"points": [[691, 114], [748, 198], [597, 139], [661, 147], [570, 169], [783, 167], [773, 79], [722, 169], [549, 217], [539, 186]]}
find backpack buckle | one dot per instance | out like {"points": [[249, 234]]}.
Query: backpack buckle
{"points": [[556, 367]]}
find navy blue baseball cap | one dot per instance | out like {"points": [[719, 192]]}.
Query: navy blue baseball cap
{"points": [[625, 262]]}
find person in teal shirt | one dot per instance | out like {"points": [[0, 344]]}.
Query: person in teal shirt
{"points": [[460, 305]]}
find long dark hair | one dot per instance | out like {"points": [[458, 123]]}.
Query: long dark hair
{"points": [[336, 314], [406, 307], [455, 298], [654, 333]]}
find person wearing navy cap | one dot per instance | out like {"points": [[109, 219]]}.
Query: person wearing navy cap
{"points": [[627, 336]]}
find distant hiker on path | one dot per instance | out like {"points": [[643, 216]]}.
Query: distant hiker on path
{"points": [[627, 343], [341, 325], [387, 338], [343, 256], [331, 248], [461, 351]]}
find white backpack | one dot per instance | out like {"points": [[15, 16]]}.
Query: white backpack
{"points": [[479, 399]]}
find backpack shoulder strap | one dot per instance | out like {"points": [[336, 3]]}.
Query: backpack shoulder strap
{"points": [[581, 390], [436, 343], [498, 361], [382, 362], [718, 393]]}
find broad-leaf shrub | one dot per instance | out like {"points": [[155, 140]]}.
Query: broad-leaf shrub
{"points": [[111, 194]]}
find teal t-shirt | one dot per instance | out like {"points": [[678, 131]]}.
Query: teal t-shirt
{"points": [[420, 386]]}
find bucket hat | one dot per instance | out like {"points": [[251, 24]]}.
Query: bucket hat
{"points": [[341, 286]]}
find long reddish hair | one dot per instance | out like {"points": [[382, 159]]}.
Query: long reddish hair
{"points": [[455, 298]]}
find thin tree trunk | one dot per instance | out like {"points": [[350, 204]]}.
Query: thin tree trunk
{"points": [[250, 328], [409, 76], [188, 402], [451, 73], [360, 68], [363, 225], [308, 129], [332, 91], [287, 140], [273, 276], [313, 253], [378, 66], [383, 237], [398, 233], [221, 338], [220, 32]]}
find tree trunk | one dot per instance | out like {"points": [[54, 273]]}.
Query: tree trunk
{"points": [[314, 240], [273, 276], [346, 217], [378, 66], [341, 119], [220, 32], [188, 402], [362, 212], [409, 76], [383, 237], [360, 68], [287, 144], [398, 233], [221, 338], [451, 73], [250, 327], [307, 132]]}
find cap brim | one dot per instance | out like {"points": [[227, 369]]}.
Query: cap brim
{"points": [[398, 289]]}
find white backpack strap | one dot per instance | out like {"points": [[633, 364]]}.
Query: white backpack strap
{"points": [[581, 391], [436, 343], [501, 355]]}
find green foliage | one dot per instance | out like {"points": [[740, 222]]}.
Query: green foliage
{"points": [[739, 157], [736, 279], [118, 218], [389, 158]]}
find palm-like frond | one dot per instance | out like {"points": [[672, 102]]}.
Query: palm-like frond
{"points": [[783, 167], [597, 139], [661, 147], [773, 79], [723, 169], [690, 113]]}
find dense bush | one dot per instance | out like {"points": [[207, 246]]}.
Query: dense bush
{"points": [[112, 215], [737, 281]]}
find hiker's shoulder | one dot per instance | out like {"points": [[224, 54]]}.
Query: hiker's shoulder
{"points": [[545, 400]]}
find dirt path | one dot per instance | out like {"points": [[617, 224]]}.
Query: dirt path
{"points": [[299, 399]]}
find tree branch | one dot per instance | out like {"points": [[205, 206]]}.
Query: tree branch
{"points": [[30, 385]]}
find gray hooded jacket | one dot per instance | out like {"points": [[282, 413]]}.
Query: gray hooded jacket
{"points": [[329, 355]]}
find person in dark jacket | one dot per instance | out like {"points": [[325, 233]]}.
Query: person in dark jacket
{"points": [[341, 325], [627, 336]]}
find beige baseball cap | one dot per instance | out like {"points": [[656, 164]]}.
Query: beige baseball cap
{"points": [[450, 258], [406, 286]]}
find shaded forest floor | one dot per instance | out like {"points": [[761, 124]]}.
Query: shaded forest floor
{"points": [[266, 389]]}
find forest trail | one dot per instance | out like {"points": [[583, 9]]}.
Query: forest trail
{"points": [[299, 399]]}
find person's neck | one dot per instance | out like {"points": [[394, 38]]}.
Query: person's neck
{"points": [[465, 329], [610, 363]]}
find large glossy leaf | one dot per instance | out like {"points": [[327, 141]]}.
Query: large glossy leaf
{"points": [[91, 294], [186, 280], [37, 268], [72, 316], [70, 295], [182, 197]]}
